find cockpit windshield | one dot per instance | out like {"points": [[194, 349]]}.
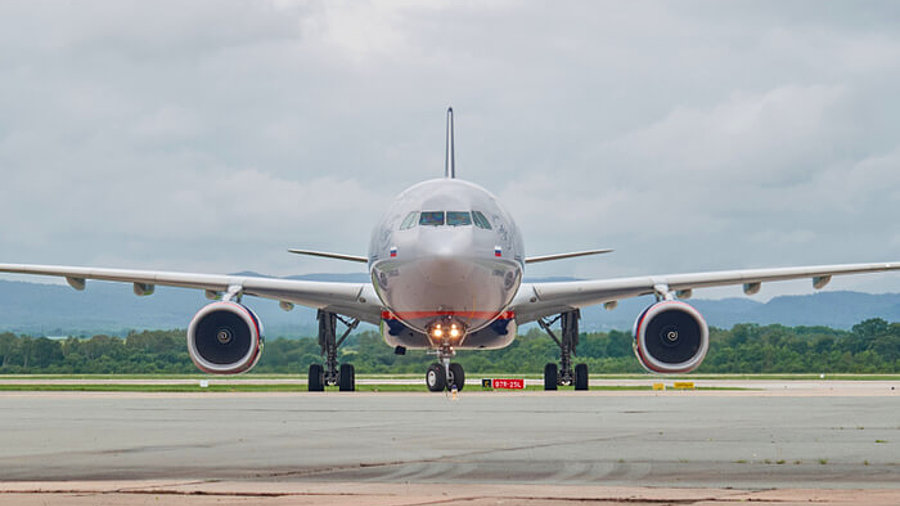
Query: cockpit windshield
{"points": [[409, 221], [480, 220], [458, 218], [431, 218], [440, 218]]}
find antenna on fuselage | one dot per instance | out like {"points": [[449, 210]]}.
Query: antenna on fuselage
{"points": [[450, 155]]}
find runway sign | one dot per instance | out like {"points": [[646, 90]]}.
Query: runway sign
{"points": [[508, 383]]}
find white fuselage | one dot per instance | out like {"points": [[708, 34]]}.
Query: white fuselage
{"points": [[446, 255]]}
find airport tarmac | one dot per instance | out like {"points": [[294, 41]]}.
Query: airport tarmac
{"points": [[790, 387], [824, 443]]}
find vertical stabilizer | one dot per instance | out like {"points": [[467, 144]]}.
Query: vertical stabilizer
{"points": [[450, 156]]}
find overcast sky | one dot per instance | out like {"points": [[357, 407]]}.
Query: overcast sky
{"points": [[689, 136]]}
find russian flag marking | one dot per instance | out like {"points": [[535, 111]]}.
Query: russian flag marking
{"points": [[498, 251], [393, 251]]}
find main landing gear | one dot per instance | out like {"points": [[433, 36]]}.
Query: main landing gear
{"points": [[445, 374], [344, 376], [564, 374]]}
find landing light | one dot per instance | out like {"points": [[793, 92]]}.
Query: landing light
{"points": [[446, 330]]}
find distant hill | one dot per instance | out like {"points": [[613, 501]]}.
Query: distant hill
{"points": [[839, 309], [58, 310]]}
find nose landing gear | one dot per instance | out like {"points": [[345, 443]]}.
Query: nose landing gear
{"points": [[446, 374]]}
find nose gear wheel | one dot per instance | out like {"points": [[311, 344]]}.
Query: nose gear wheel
{"points": [[445, 375], [435, 377]]}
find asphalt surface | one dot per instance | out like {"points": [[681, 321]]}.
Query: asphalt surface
{"points": [[818, 438]]}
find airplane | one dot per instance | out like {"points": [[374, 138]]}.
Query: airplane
{"points": [[446, 264]]}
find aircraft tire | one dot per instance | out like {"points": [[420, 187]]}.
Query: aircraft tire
{"points": [[458, 375], [316, 378], [347, 378], [581, 377], [551, 376], [435, 378]]}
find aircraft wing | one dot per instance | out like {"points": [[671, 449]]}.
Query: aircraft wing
{"points": [[538, 300], [356, 300]]}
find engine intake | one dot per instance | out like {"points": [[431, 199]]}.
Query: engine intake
{"points": [[225, 338], [670, 337]]}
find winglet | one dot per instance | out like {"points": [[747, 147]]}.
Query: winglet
{"points": [[450, 155]]}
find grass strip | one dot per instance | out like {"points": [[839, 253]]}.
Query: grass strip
{"points": [[598, 376]]}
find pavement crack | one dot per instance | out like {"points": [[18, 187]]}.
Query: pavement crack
{"points": [[127, 490], [437, 459], [580, 500]]}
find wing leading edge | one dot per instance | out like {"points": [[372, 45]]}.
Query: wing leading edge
{"points": [[537, 300], [356, 300]]}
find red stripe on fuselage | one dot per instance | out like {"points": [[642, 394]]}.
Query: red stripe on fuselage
{"points": [[410, 315]]}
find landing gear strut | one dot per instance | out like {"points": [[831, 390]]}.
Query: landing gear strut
{"points": [[331, 374], [564, 374], [445, 374]]}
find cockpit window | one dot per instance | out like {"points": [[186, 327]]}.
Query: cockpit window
{"points": [[409, 221], [440, 218], [480, 220], [431, 218], [458, 218]]}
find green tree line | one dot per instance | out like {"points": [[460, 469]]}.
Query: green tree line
{"points": [[872, 346]]}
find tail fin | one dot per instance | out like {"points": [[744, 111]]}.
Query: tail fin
{"points": [[450, 156]]}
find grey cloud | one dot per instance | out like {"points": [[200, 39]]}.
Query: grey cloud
{"points": [[213, 135]]}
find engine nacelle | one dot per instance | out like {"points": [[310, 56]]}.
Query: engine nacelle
{"points": [[225, 338], [670, 337]]}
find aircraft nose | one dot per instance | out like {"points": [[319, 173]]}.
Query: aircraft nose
{"points": [[446, 270], [445, 260], [444, 243]]}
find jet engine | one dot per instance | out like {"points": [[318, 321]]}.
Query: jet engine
{"points": [[225, 338], [670, 337]]}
